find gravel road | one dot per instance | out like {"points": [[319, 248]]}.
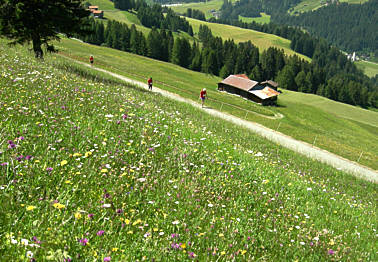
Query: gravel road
{"points": [[277, 137]]}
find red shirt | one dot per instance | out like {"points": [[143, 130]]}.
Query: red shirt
{"points": [[149, 81], [203, 94], [91, 58]]}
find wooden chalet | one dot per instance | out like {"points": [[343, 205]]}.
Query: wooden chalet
{"points": [[264, 93], [95, 12]]}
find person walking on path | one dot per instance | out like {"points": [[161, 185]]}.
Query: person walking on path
{"points": [[203, 96], [149, 81], [91, 59]]}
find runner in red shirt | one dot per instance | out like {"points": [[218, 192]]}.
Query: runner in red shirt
{"points": [[203, 96], [149, 81], [91, 59]]}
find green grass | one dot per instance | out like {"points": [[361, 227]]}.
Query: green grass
{"points": [[264, 19], [339, 128], [261, 40], [310, 5], [93, 169], [369, 68], [205, 7]]}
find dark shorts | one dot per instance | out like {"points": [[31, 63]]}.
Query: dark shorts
{"points": [[203, 98], [91, 61]]}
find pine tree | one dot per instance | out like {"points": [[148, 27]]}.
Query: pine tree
{"points": [[40, 22]]}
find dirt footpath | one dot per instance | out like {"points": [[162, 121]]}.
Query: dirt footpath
{"points": [[277, 137]]}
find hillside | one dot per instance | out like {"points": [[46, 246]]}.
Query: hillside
{"points": [[261, 40], [302, 120], [97, 170]]}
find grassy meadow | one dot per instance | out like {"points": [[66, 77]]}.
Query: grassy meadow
{"points": [[369, 68], [261, 40], [205, 7], [264, 19], [339, 128], [310, 5], [96, 170]]}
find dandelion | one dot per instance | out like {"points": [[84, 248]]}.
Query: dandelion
{"points": [[30, 208], [58, 206], [77, 215], [64, 162]]}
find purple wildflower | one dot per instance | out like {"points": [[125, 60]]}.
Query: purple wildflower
{"points": [[83, 241], [107, 258], [28, 157], [100, 233], [331, 252], [90, 215]]}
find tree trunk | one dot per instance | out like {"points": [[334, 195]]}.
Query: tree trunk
{"points": [[37, 47]]}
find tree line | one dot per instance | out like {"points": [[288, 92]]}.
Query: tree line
{"points": [[152, 16], [351, 27], [330, 73]]}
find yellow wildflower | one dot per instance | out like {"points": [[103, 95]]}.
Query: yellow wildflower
{"points": [[30, 208], [58, 205], [63, 162], [77, 215]]}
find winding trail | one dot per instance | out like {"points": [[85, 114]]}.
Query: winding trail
{"points": [[301, 147]]}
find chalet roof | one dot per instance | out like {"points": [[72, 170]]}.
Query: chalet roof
{"points": [[270, 82], [239, 82], [243, 76], [93, 7], [265, 93], [97, 12]]}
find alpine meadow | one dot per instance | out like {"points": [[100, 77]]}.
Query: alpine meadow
{"points": [[97, 166]]}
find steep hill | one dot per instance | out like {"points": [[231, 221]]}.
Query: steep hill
{"points": [[303, 120], [93, 169]]}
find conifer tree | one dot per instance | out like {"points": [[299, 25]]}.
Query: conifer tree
{"points": [[40, 22]]}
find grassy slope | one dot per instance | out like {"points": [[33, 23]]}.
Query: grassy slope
{"points": [[264, 19], [118, 173], [309, 5], [261, 40], [306, 116], [369, 68], [205, 7]]}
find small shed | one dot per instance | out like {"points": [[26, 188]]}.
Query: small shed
{"points": [[261, 93]]}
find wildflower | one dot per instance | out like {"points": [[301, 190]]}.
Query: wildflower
{"points": [[28, 157], [58, 206], [24, 242], [210, 205], [104, 170], [64, 162], [176, 222], [100, 232], [83, 241], [77, 215], [49, 169], [90, 215], [30, 208], [29, 254], [331, 252]]}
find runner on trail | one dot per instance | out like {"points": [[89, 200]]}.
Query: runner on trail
{"points": [[203, 96], [91, 59], [149, 81]]}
